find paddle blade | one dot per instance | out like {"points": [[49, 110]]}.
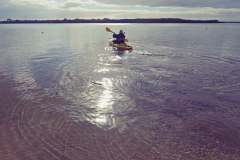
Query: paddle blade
{"points": [[109, 30]]}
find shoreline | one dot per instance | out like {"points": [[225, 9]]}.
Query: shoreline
{"points": [[122, 23], [105, 20]]}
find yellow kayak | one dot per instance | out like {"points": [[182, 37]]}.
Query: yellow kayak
{"points": [[122, 46]]}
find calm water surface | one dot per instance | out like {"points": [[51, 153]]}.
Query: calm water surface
{"points": [[177, 93]]}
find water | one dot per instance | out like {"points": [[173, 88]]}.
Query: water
{"points": [[176, 94]]}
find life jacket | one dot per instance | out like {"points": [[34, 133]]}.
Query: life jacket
{"points": [[119, 38]]}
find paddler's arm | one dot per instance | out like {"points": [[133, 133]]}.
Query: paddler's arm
{"points": [[115, 35]]}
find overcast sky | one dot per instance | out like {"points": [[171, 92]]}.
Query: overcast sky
{"points": [[58, 9]]}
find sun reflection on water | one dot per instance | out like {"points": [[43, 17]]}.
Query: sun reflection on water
{"points": [[104, 108]]}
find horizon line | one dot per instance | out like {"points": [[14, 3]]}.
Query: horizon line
{"points": [[114, 20]]}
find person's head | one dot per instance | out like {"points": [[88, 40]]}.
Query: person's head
{"points": [[121, 31]]}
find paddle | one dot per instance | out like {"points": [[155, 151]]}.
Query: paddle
{"points": [[109, 30]]}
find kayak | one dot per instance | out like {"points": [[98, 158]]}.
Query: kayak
{"points": [[122, 46]]}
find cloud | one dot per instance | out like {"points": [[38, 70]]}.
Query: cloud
{"points": [[179, 3], [51, 9], [71, 5]]}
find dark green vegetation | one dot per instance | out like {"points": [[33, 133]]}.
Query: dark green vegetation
{"points": [[106, 20]]}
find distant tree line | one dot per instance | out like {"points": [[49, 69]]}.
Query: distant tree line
{"points": [[106, 20]]}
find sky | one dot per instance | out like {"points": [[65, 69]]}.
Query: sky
{"points": [[228, 10]]}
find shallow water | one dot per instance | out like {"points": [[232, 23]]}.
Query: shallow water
{"points": [[175, 96]]}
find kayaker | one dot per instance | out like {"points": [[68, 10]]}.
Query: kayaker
{"points": [[119, 38]]}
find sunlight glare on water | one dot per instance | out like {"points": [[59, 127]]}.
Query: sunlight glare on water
{"points": [[104, 107]]}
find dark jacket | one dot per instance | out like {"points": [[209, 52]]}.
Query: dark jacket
{"points": [[119, 38]]}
